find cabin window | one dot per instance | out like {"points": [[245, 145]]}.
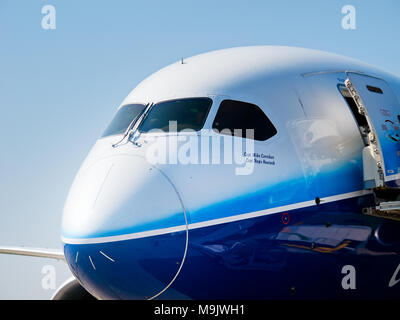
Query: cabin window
{"points": [[190, 113], [241, 115], [121, 121]]}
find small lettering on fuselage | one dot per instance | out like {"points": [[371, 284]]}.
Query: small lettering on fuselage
{"points": [[259, 158]]}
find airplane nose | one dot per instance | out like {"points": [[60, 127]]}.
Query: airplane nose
{"points": [[124, 229]]}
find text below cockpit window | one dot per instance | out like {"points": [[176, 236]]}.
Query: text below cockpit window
{"points": [[124, 117], [188, 113]]}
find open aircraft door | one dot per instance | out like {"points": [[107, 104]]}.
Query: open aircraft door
{"points": [[378, 103], [381, 155]]}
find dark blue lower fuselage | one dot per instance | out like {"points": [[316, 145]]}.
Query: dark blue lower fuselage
{"points": [[298, 254]]}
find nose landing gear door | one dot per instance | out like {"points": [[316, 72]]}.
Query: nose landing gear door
{"points": [[381, 156]]}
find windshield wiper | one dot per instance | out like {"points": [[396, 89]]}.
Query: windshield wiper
{"points": [[134, 125]]}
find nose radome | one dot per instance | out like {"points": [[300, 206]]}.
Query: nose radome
{"points": [[121, 195], [124, 229]]}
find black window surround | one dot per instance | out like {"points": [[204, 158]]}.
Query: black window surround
{"points": [[233, 114]]}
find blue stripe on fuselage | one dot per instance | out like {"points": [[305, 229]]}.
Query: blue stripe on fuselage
{"points": [[260, 258]]}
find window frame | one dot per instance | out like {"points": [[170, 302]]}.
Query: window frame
{"points": [[356, 118]]}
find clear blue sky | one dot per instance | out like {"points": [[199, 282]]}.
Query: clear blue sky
{"points": [[59, 88]]}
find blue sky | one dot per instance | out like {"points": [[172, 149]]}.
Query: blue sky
{"points": [[59, 88]]}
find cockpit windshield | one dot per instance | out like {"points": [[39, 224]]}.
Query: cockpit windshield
{"points": [[125, 115], [189, 113]]}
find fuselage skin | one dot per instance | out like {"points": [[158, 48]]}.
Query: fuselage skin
{"points": [[287, 230]]}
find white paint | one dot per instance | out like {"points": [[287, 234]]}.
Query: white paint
{"points": [[213, 222], [90, 258], [107, 256]]}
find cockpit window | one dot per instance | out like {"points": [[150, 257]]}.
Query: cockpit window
{"points": [[241, 115], [190, 113], [125, 115]]}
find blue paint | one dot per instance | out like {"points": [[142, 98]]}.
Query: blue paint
{"points": [[331, 181], [175, 219], [258, 258]]}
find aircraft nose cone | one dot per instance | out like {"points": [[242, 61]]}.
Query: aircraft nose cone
{"points": [[124, 228]]}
